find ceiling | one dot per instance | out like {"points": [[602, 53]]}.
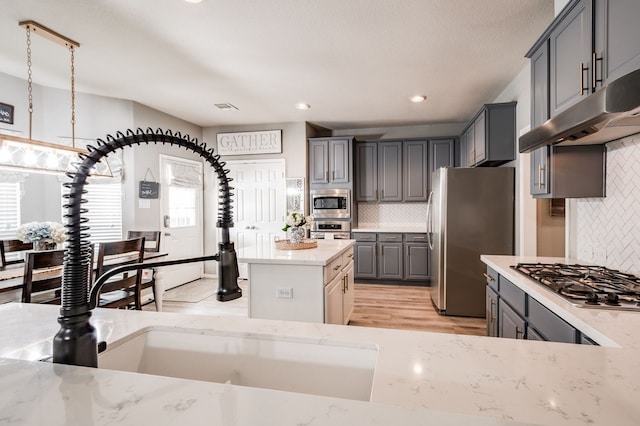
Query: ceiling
{"points": [[356, 62]]}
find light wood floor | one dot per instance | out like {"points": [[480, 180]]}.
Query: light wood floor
{"points": [[381, 306]]}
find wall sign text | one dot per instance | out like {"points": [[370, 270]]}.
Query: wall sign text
{"points": [[245, 143]]}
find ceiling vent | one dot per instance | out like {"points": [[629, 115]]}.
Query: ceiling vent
{"points": [[226, 106]]}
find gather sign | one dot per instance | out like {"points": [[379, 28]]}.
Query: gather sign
{"points": [[243, 143]]}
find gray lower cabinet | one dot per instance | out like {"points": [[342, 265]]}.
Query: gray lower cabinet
{"points": [[520, 316], [416, 261], [510, 323], [390, 261], [492, 313], [391, 256], [365, 260]]}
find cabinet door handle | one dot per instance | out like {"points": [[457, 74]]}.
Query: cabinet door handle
{"points": [[583, 89], [489, 277], [492, 316], [519, 333], [333, 174], [326, 176], [541, 180], [594, 75], [539, 176], [346, 283]]}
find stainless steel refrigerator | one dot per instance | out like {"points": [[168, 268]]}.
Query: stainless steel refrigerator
{"points": [[470, 212]]}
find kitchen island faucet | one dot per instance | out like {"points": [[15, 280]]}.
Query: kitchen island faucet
{"points": [[76, 341]]}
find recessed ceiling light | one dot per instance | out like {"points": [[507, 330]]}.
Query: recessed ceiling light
{"points": [[302, 105], [226, 106], [418, 98]]}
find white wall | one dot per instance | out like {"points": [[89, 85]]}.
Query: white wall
{"points": [[519, 90]]}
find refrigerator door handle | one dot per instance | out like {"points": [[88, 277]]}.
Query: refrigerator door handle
{"points": [[430, 220]]}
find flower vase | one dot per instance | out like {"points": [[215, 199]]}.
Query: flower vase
{"points": [[44, 245], [297, 235]]}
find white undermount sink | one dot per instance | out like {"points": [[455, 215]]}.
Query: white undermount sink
{"points": [[266, 361]]}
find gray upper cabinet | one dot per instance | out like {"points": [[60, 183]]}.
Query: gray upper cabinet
{"points": [[617, 40], [398, 171], [568, 171], [390, 171], [570, 56], [329, 161], [588, 45], [540, 85], [415, 170], [441, 154], [490, 138], [366, 171]]}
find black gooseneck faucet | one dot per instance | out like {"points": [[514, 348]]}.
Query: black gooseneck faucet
{"points": [[76, 342]]}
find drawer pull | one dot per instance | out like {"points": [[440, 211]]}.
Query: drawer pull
{"points": [[337, 267], [350, 255], [488, 277]]}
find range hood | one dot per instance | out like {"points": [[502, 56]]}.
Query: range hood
{"points": [[606, 115]]}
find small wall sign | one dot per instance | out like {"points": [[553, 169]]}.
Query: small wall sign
{"points": [[6, 113], [246, 143], [148, 189]]}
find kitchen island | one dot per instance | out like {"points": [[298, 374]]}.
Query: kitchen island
{"points": [[420, 377], [312, 285]]}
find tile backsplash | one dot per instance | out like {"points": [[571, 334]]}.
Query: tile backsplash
{"points": [[608, 229], [405, 214]]}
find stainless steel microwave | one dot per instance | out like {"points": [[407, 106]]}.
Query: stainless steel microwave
{"points": [[330, 203]]}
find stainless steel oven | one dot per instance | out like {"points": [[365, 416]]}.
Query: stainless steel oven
{"points": [[331, 229], [330, 203]]}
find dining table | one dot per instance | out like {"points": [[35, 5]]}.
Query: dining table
{"points": [[11, 276]]}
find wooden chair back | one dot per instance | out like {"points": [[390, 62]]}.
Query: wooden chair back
{"points": [[8, 246], [151, 238], [122, 290], [42, 281]]}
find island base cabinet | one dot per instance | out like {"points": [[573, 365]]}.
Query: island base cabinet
{"points": [[333, 294], [276, 296], [510, 324]]}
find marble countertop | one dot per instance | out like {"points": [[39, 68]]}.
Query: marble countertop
{"points": [[326, 251], [420, 377], [409, 229]]}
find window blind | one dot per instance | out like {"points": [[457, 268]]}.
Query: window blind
{"points": [[9, 209], [104, 205]]}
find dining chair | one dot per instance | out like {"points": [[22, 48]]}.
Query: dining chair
{"points": [[122, 290], [152, 237], [42, 279], [8, 246]]}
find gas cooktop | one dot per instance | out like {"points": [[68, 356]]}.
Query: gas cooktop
{"points": [[587, 286]]}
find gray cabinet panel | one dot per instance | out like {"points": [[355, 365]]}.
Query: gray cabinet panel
{"points": [[339, 160], [490, 138], [492, 278], [550, 326], [390, 261], [415, 170], [569, 171], [513, 295], [492, 313], [540, 85], [532, 334], [390, 171], [366, 171], [318, 162], [617, 39], [365, 260], [364, 236], [570, 56], [441, 154], [510, 324], [479, 132], [416, 261]]}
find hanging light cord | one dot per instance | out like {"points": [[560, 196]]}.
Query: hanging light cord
{"points": [[73, 97], [29, 79]]}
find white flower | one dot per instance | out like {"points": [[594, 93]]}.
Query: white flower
{"points": [[296, 219], [47, 232]]}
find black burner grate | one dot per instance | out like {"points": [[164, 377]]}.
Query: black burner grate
{"points": [[593, 286]]}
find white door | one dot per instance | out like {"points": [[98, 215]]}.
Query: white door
{"points": [[259, 203], [181, 218]]}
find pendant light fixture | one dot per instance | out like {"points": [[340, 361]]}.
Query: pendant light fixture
{"points": [[31, 154]]}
